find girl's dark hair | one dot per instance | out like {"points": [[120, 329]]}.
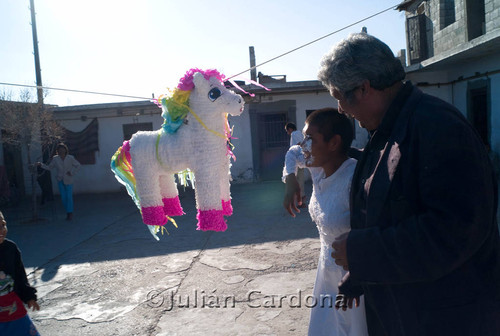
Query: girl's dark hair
{"points": [[62, 145], [330, 122]]}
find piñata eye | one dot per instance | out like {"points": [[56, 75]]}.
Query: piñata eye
{"points": [[214, 94]]}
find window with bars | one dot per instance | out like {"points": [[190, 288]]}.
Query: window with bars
{"points": [[274, 135]]}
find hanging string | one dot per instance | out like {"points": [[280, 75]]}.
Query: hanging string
{"points": [[240, 73]]}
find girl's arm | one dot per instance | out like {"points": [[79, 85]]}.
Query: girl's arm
{"points": [[50, 166]]}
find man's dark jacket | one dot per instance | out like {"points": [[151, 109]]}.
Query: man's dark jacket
{"points": [[428, 255]]}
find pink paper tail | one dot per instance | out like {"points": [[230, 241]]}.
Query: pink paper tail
{"points": [[227, 208], [154, 216], [126, 150], [212, 220], [172, 206]]}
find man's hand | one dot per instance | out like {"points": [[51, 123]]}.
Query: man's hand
{"points": [[343, 302], [345, 299], [32, 304], [340, 250], [292, 194]]}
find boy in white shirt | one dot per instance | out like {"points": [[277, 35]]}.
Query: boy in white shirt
{"points": [[328, 137]]}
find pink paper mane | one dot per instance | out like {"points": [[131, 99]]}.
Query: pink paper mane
{"points": [[186, 82]]}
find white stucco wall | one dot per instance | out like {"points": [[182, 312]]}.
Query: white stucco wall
{"points": [[314, 101], [98, 177], [469, 69], [456, 94], [242, 168], [311, 101], [444, 92], [490, 63]]}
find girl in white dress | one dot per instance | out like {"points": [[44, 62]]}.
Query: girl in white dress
{"points": [[66, 167], [328, 137]]}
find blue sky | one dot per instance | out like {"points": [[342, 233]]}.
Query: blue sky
{"points": [[142, 47]]}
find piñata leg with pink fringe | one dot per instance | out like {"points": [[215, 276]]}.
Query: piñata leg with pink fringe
{"points": [[148, 189], [227, 208], [208, 197], [170, 196]]}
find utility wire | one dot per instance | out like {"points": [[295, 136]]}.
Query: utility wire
{"points": [[240, 73], [73, 90], [314, 41]]}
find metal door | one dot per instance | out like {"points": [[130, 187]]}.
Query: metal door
{"points": [[273, 144]]}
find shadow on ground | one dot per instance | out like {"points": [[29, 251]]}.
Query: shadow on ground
{"points": [[108, 227]]}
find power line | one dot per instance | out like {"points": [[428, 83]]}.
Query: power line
{"points": [[240, 73], [73, 90], [314, 41]]}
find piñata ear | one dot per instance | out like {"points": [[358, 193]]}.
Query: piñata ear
{"points": [[215, 81], [199, 80]]}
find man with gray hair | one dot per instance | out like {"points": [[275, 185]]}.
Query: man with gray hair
{"points": [[424, 248]]}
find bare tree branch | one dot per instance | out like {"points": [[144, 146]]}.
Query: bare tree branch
{"points": [[25, 123]]}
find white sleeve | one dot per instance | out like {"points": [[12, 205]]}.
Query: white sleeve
{"points": [[51, 165], [294, 159], [295, 138]]}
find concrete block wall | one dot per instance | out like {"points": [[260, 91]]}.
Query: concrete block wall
{"points": [[442, 38], [492, 14], [451, 35]]}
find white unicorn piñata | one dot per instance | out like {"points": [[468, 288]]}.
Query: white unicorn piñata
{"points": [[194, 136]]}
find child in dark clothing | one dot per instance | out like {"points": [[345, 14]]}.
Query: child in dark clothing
{"points": [[14, 289]]}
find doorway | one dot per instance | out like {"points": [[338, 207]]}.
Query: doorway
{"points": [[273, 143], [270, 142], [478, 108]]}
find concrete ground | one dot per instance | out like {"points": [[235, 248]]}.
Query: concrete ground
{"points": [[104, 274]]}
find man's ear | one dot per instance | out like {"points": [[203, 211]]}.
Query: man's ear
{"points": [[335, 143], [365, 87]]}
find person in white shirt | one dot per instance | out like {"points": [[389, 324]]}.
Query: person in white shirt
{"points": [[65, 166], [296, 138], [328, 137]]}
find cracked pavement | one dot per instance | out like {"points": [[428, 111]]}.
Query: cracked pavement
{"points": [[104, 274]]}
